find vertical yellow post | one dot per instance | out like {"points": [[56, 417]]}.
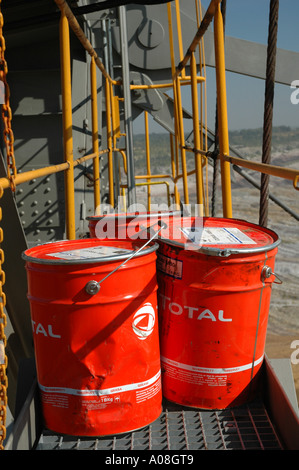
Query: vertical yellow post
{"points": [[148, 160], [179, 27], [197, 144], [174, 172], [222, 113], [66, 84], [95, 139], [109, 143], [178, 100], [178, 114], [114, 117]]}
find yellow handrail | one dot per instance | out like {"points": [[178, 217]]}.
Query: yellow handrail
{"points": [[213, 8], [65, 63], [148, 160], [50, 170], [95, 138], [222, 112], [273, 170], [195, 113], [184, 81], [179, 78], [109, 142]]}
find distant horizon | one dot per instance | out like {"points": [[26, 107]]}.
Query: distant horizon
{"points": [[287, 127]]}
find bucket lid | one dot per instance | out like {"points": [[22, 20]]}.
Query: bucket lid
{"points": [[218, 236], [134, 215], [86, 251]]}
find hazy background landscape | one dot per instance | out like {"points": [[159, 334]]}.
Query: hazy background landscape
{"points": [[283, 326]]}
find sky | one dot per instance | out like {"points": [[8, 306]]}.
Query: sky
{"points": [[248, 19]]}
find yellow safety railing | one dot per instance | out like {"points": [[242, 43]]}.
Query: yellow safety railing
{"points": [[177, 143], [178, 149]]}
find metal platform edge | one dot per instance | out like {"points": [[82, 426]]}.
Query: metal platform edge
{"points": [[280, 399], [277, 396]]}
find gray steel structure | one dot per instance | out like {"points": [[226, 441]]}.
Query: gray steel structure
{"points": [[36, 212]]}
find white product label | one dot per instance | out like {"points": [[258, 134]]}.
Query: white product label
{"points": [[91, 252], [217, 236]]}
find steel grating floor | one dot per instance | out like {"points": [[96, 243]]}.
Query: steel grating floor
{"points": [[248, 427]]}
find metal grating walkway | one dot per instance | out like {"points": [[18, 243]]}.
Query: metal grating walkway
{"points": [[248, 427]]}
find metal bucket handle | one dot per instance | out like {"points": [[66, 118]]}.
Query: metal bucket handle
{"points": [[93, 287], [267, 272]]}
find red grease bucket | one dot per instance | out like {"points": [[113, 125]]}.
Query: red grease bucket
{"points": [[215, 281], [129, 225], [97, 349]]}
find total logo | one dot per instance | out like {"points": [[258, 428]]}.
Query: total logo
{"points": [[144, 321]]}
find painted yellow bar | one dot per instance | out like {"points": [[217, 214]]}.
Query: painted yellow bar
{"points": [[278, 171], [29, 175], [179, 34], [148, 160], [144, 177], [178, 114], [124, 156], [178, 110], [146, 183], [95, 130], [65, 61], [115, 116], [222, 113], [50, 170], [45, 171], [65, 9], [90, 156], [197, 144], [170, 34], [212, 8], [273, 170], [184, 81], [174, 147], [173, 170], [178, 103], [109, 143], [191, 172]]}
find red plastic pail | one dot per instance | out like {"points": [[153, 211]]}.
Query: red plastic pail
{"points": [[95, 334], [127, 225], [215, 283]]}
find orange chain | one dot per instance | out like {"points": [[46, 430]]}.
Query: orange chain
{"points": [[11, 173], [3, 357], [6, 112]]}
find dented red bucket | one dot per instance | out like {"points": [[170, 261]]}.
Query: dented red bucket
{"points": [[215, 277], [95, 330], [129, 225]]}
